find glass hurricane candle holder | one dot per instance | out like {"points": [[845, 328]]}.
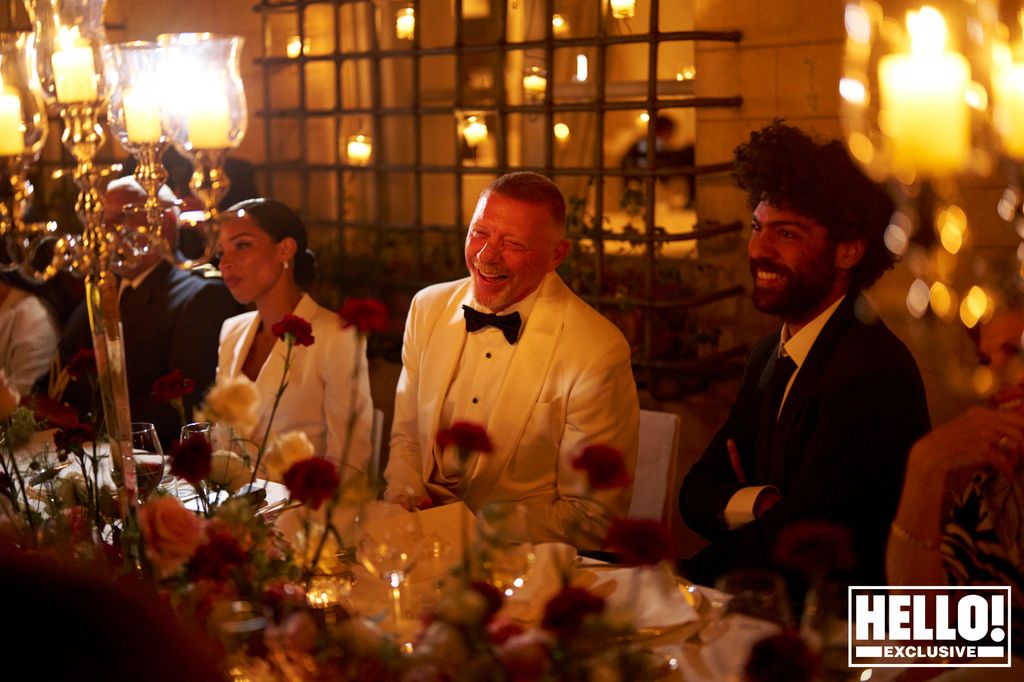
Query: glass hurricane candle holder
{"points": [[69, 38], [916, 99], [210, 112]]}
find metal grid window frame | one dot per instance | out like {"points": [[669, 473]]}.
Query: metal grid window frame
{"points": [[347, 175]]}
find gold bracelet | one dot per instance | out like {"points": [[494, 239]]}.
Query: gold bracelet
{"points": [[915, 541]]}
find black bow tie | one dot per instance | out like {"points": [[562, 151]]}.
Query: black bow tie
{"points": [[508, 324]]}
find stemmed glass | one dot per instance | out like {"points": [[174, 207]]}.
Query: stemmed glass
{"points": [[212, 433], [389, 541], [150, 464], [506, 553]]}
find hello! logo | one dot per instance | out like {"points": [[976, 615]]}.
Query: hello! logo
{"points": [[918, 627]]}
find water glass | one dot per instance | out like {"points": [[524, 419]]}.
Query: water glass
{"points": [[389, 542], [757, 593], [150, 464], [505, 551]]}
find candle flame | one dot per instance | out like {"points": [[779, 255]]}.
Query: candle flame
{"points": [[927, 31], [67, 37]]}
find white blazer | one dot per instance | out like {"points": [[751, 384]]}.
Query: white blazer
{"points": [[569, 384], [320, 392]]}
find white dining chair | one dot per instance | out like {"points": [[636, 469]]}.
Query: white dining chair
{"points": [[655, 464]]}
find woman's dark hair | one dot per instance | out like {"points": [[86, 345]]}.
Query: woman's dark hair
{"points": [[785, 167], [281, 222]]}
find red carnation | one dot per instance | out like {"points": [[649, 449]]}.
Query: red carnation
{"points": [[218, 557], [366, 314], [466, 436], [815, 548], [784, 656], [639, 542], [605, 467], [312, 481], [72, 439], [81, 364], [172, 386], [566, 611], [191, 459], [300, 331], [55, 414]]}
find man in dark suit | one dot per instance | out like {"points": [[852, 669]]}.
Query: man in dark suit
{"points": [[171, 320], [828, 407]]}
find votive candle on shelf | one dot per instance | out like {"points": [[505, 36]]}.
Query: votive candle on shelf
{"points": [[1008, 80], [142, 117], [405, 23], [534, 82], [358, 150], [923, 108], [475, 131], [623, 9], [74, 71], [209, 122], [12, 140]]}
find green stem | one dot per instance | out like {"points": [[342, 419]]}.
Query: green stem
{"points": [[277, 400], [24, 493]]}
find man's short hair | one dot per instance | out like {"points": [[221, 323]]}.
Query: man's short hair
{"points": [[783, 166], [531, 188]]}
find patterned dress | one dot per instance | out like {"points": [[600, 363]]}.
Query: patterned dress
{"points": [[983, 540]]}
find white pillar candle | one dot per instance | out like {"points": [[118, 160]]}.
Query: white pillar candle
{"points": [[923, 109], [142, 117], [623, 9], [12, 140], [209, 122], [74, 71], [1009, 109]]}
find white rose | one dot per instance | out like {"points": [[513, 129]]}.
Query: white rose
{"points": [[284, 451], [234, 401], [228, 470]]}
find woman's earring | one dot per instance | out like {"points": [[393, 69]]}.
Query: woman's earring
{"points": [[286, 265]]}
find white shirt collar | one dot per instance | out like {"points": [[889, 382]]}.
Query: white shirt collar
{"points": [[522, 307], [798, 346], [137, 281]]}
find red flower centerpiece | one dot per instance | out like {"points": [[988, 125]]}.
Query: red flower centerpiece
{"points": [[639, 542], [466, 436], [70, 440], [82, 364], [191, 459], [365, 314], [568, 609], [172, 386], [312, 481], [294, 327], [604, 465]]}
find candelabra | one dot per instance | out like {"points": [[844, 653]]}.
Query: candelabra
{"points": [[184, 89]]}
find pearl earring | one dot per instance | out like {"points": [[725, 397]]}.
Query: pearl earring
{"points": [[286, 265]]}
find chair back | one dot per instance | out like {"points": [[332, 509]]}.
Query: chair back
{"points": [[655, 465], [376, 445]]}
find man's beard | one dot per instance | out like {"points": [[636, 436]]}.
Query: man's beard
{"points": [[802, 293]]}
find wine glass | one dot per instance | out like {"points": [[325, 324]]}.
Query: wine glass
{"points": [[757, 593], [506, 553], [150, 465], [212, 432], [389, 541]]}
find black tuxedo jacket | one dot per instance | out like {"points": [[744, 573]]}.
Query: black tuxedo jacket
{"points": [[838, 452], [172, 321]]}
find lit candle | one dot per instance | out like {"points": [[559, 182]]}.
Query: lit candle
{"points": [[582, 68], [358, 150], [534, 82], [475, 131], [923, 109], [74, 71], [209, 122], [405, 23], [559, 25], [623, 9], [561, 132], [1009, 108], [142, 117], [12, 140], [294, 48]]}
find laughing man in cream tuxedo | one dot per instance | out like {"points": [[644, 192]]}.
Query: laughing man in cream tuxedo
{"points": [[512, 348]]}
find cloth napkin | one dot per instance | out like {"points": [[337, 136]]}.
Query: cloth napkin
{"points": [[648, 596]]}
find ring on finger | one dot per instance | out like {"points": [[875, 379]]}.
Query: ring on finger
{"points": [[1005, 445]]}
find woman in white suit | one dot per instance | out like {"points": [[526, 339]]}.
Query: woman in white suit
{"points": [[264, 260]]}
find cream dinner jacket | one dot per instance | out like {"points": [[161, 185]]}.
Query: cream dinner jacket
{"points": [[319, 393], [569, 384]]}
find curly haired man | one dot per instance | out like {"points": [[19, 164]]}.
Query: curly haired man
{"points": [[828, 406]]}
